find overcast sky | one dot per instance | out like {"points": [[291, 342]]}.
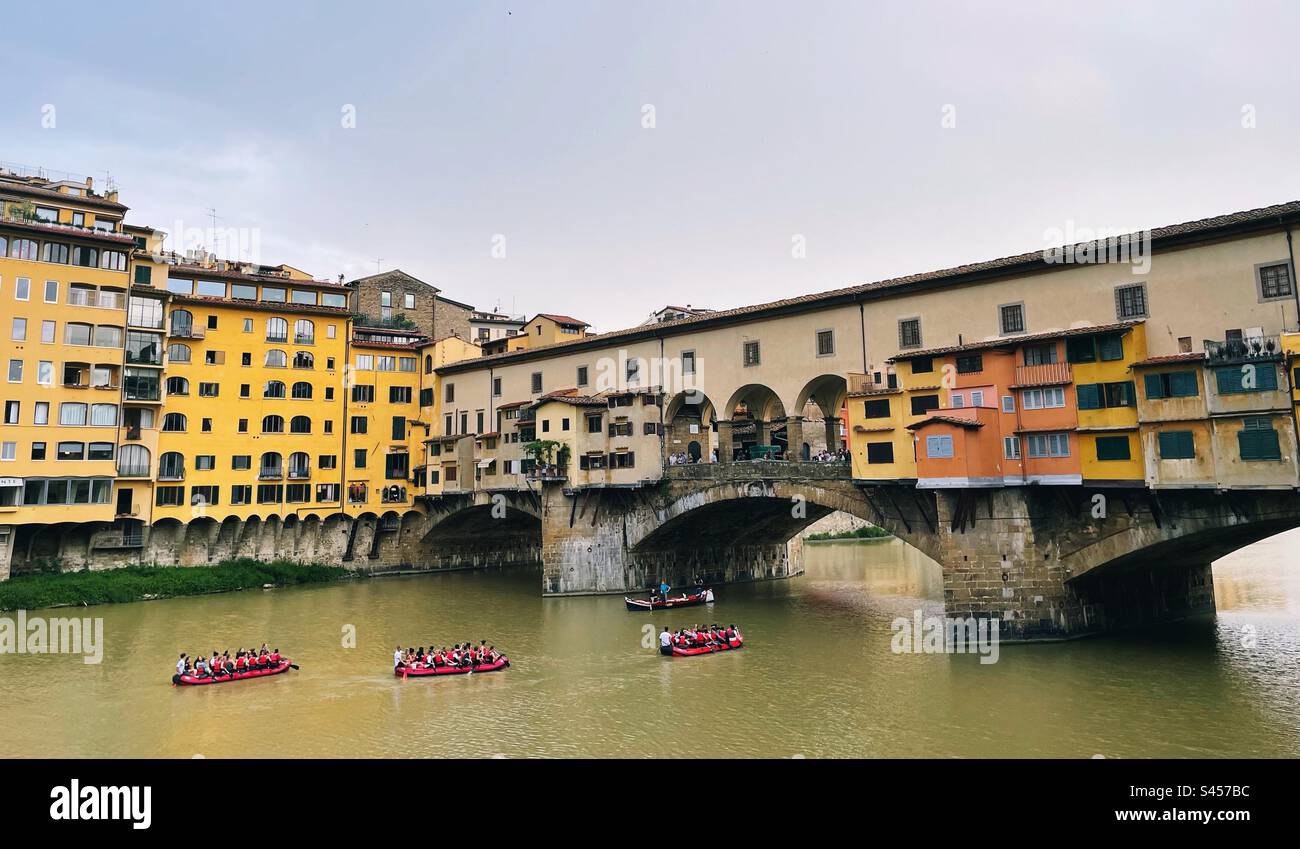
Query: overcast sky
{"points": [[771, 122]]}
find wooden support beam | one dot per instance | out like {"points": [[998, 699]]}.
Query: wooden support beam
{"points": [[901, 517]]}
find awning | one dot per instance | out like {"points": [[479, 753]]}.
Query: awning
{"points": [[483, 464]]}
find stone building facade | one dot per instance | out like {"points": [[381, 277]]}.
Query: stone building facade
{"points": [[390, 296]]}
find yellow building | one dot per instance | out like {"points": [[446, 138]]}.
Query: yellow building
{"points": [[250, 417], [880, 411], [542, 329], [63, 285], [1109, 448]]}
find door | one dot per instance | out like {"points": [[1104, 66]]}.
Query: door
{"points": [[123, 501]]}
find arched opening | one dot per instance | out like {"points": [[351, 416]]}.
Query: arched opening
{"points": [[752, 425], [821, 416], [691, 422], [481, 536]]}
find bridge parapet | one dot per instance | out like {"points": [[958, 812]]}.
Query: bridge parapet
{"points": [[752, 470]]}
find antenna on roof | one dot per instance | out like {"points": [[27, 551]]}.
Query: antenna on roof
{"points": [[212, 214], [378, 260]]}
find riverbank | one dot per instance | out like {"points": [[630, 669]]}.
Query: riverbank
{"points": [[143, 583]]}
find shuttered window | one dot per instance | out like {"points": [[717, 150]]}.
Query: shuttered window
{"points": [[1177, 445], [922, 404], [1113, 448], [1257, 440], [1174, 384], [880, 452], [1233, 379], [877, 408]]}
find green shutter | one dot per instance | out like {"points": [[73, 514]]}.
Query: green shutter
{"points": [[1155, 387], [1110, 347], [1266, 377], [1177, 445], [1182, 384], [1259, 445], [1089, 396], [1228, 380], [1113, 448]]}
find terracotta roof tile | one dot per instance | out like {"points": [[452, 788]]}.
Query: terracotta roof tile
{"points": [[1015, 341]]}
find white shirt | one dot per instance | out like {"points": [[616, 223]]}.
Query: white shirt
{"points": [[665, 639], [180, 666], [397, 657]]}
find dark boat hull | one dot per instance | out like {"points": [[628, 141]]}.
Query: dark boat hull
{"points": [[191, 681], [672, 603]]}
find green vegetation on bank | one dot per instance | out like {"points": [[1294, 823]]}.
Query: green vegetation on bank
{"points": [[864, 532], [134, 583]]}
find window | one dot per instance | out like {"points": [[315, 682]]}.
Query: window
{"points": [[241, 462], [1274, 281], [200, 495], [143, 275], [957, 401], [205, 462], [396, 466], [407, 364], [303, 359], [923, 365], [1048, 444], [270, 493], [241, 494], [922, 404], [877, 408], [48, 331], [750, 355], [1257, 440], [537, 382], [327, 493], [178, 353], [57, 252], [171, 466], [42, 415], [209, 390], [300, 424], [977, 398], [38, 450], [273, 424], [170, 496], [72, 413], [23, 287], [825, 343], [9, 451], [385, 363], [277, 330], [1174, 384], [51, 291], [1039, 355], [273, 389], [1098, 396], [245, 359], [1237, 379], [909, 334], [212, 322], [15, 371], [13, 412], [496, 387], [365, 362], [358, 424], [70, 451], [103, 415], [971, 364], [363, 394], [269, 466], [938, 447], [302, 390], [1042, 399], [1008, 403], [1011, 447], [1080, 349], [408, 300], [880, 452], [304, 332], [77, 334], [1113, 448], [358, 458], [174, 423], [276, 358], [108, 336], [1131, 301], [1012, 318], [328, 461], [1176, 445], [449, 393]]}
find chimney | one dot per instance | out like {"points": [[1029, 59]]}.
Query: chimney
{"points": [[90, 185]]}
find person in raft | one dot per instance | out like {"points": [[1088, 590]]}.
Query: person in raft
{"points": [[461, 655], [221, 664], [666, 642], [699, 636]]}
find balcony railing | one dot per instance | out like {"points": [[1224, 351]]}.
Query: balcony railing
{"points": [[304, 339], [171, 474], [277, 337], [548, 473], [134, 470], [1044, 374], [1243, 350], [868, 383], [132, 538], [299, 472], [188, 331], [270, 473]]}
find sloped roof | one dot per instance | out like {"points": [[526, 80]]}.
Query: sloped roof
{"points": [[1013, 341]]}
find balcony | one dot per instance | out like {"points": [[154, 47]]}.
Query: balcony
{"points": [[134, 470], [548, 473], [1045, 374], [304, 339], [267, 473], [1243, 350], [299, 473], [859, 383], [188, 331], [171, 474], [277, 337]]}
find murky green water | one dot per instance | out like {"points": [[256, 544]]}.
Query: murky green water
{"points": [[817, 678]]}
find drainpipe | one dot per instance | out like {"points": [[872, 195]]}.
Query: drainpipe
{"points": [[862, 324], [1290, 251]]}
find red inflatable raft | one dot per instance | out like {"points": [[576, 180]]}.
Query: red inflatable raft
{"points": [[730, 645], [189, 680], [413, 672]]}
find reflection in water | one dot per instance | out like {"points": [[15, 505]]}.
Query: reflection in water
{"points": [[816, 678]]}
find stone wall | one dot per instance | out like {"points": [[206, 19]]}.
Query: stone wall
{"points": [[435, 317]]}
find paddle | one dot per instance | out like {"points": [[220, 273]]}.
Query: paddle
{"points": [[293, 666]]}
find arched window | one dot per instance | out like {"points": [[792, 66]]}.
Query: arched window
{"points": [[273, 424], [277, 330], [178, 386], [303, 359], [270, 466], [299, 465], [302, 390], [133, 461], [273, 389], [174, 423], [304, 332], [178, 353], [182, 323], [428, 363], [300, 424], [276, 358], [171, 466]]}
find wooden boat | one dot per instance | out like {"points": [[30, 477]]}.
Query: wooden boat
{"points": [[190, 681], [702, 596]]}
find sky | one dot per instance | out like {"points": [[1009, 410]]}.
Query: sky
{"points": [[603, 159]]}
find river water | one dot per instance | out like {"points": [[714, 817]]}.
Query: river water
{"points": [[817, 677]]}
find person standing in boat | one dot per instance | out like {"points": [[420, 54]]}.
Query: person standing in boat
{"points": [[663, 590], [666, 642], [397, 658]]}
